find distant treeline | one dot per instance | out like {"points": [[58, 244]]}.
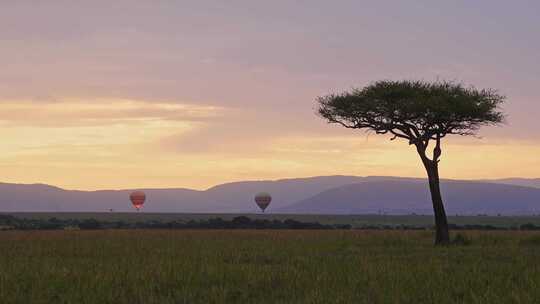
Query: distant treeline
{"points": [[9, 222]]}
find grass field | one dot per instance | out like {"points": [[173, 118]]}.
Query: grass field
{"points": [[266, 266]]}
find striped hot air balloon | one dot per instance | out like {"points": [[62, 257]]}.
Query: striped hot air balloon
{"points": [[137, 199], [263, 199]]}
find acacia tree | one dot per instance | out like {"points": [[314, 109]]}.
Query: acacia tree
{"points": [[420, 112]]}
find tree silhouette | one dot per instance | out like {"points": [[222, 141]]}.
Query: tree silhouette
{"points": [[421, 113]]}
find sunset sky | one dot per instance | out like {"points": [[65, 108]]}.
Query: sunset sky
{"points": [[128, 94]]}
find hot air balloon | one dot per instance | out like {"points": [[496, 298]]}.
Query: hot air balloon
{"points": [[263, 199], [137, 199]]}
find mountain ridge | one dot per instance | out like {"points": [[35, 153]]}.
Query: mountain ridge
{"points": [[237, 197], [460, 197]]}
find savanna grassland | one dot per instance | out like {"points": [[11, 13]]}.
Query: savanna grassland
{"points": [[266, 266]]}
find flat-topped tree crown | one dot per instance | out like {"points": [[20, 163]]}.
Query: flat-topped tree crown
{"points": [[418, 112], [414, 110]]}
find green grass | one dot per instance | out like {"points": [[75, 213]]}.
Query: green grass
{"points": [[248, 266], [354, 220]]}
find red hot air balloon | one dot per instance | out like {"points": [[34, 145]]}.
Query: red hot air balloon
{"points": [[137, 199], [263, 199]]}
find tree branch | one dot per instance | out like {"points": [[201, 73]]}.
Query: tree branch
{"points": [[437, 150]]}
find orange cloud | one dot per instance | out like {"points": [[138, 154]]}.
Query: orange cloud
{"points": [[94, 112]]}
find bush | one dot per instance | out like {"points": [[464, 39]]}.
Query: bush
{"points": [[529, 226], [90, 224]]}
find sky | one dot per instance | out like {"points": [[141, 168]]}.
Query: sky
{"points": [[139, 94]]}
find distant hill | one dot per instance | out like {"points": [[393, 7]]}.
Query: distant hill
{"points": [[236, 196], [228, 198], [325, 194], [44, 198], [403, 197], [526, 182]]}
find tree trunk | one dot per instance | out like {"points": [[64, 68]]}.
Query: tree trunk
{"points": [[441, 224]]}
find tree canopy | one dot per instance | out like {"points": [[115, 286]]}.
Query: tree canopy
{"points": [[414, 110]]}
